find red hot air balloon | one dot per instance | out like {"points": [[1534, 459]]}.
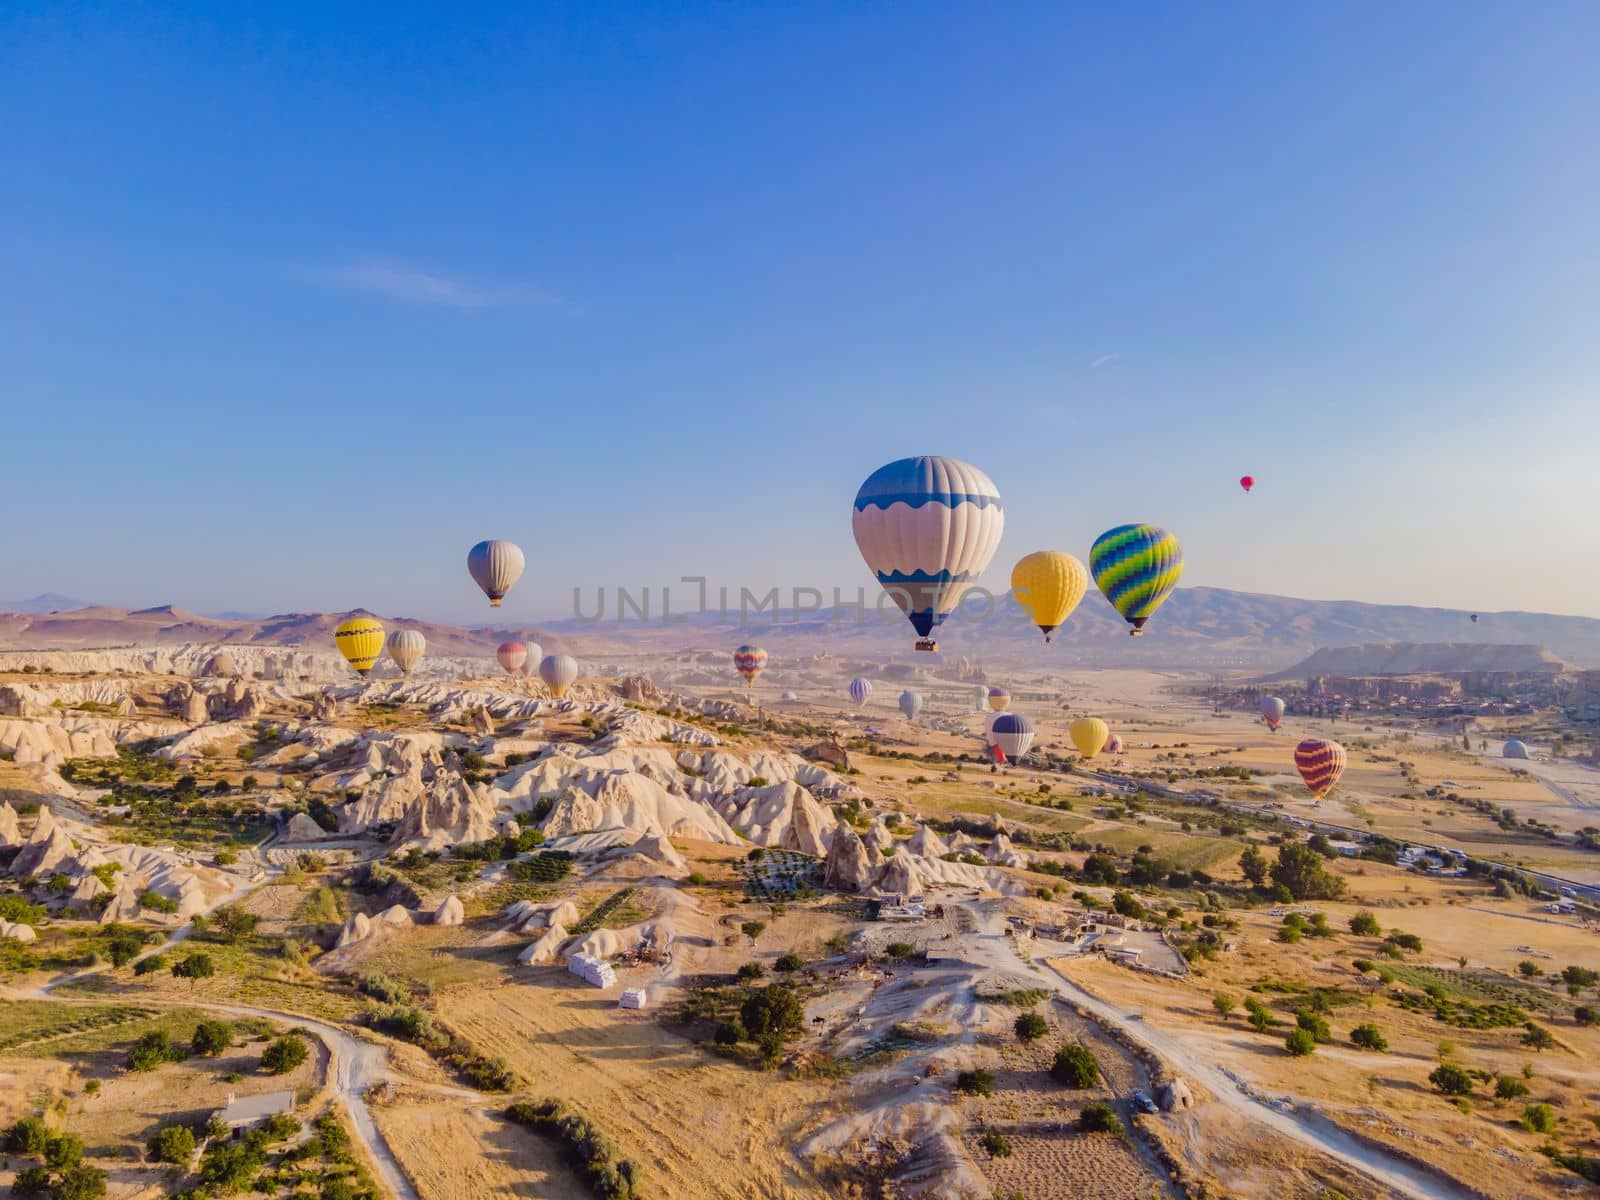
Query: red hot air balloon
{"points": [[1247, 482], [511, 655], [1321, 762]]}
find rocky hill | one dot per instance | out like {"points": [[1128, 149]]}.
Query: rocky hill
{"points": [[1412, 658]]}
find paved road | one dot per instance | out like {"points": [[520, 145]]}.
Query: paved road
{"points": [[1401, 1177]]}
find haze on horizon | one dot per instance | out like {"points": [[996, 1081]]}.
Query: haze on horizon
{"points": [[296, 309]]}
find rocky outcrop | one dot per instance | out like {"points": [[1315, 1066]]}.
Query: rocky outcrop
{"points": [[1174, 1096], [482, 722], [10, 835], [195, 709], [545, 948], [1002, 853], [396, 914], [16, 700], [357, 928], [324, 706], [47, 849], [900, 876], [301, 828], [449, 912], [847, 867], [830, 752], [658, 849], [17, 931], [782, 816], [926, 843]]}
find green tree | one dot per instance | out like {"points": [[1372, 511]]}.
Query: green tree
{"points": [[1030, 1026], [1223, 1004], [153, 1050], [1369, 1037], [1301, 871], [29, 1136], [173, 1144], [1451, 1079], [1075, 1066], [1254, 866], [1538, 1037], [211, 1038], [775, 1009], [234, 924], [1365, 924], [80, 1181], [1099, 1118], [1509, 1087], [753, 930], [194, 967], [1300, 1042], [31, 1181], [1539, 1118], [123, 948], [976, 1082], [285, 1054]]}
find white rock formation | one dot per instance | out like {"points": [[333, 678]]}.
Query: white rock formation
{"points": [[847, 867], [449, 912], [47, 849], [357, 928], [781, 816], [545, 948], [17, 931], [10, 834], [926, 843]]}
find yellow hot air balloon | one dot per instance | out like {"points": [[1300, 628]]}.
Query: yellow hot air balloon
{"points": [[1089, 735], [360, 640], [1049, 585]]}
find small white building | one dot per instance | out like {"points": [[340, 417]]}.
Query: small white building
{"points": [[635, 997], [250, 1111]]}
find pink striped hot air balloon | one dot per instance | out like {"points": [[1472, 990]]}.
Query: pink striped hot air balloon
{"points": [[511, 656]]}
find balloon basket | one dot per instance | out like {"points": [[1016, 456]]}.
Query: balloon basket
{"points": [[927, 644]]}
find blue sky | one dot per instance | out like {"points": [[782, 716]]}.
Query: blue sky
{"points": [[298, 303]]}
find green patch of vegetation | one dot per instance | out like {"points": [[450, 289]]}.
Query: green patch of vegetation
{"points": [[590, 1152], [1015, 997], [598, 915]]}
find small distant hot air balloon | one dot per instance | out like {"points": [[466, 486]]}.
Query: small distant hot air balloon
{"points": [[998, 698], [749, 661], [1089, 735], [406, 647], [360, 640], [512, 656], [1272, 709], [535, 657], [860, 689], [911, 704], [559, 672], [1011, 733], [1247, 482], [1113, 745], [494, 567], [980, 699], [1049, 585], [1474, 618], [1136, 567], [1320, 762], [927, 527]]}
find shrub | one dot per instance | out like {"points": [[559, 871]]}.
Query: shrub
{"points": [[1538, 1037], [788, 962], [385, 988], [1030, 1026], [1314, 1024], [751, 970], [173, 1144], [1224, 1005], [147, 966], [1539, 1118], [1075, 1066], [976, 1082], [1509, 1087], [997, 1144], [1585, 1014], [80, 1181], [194, 967], [1099, 1118], [1369, 1037], [28, 1136], [211, 1038], [285, 1054], [31, 1181], [775, 1009], [1300, 1042], [1365, 924], [1451, 1079], [730, 1033], [154, 1049], [280, 1127], [899, 949]]}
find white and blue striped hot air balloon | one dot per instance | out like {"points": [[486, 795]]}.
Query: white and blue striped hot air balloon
{"points": [[860, 689], [911, 704], [1012, 733], [927, 528]]}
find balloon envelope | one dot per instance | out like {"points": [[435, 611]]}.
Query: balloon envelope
{"points": [[406, 647], [1247, 482], [1012, 732], [1113, 745], [1089, 735], [749, 661], [494, 567], [360, 640], [511, 656], [559, 672], [860, 689], [998, 698], [1272, 709], [1049, 585], [980, 698], [1320, 763], [535, 657], [1136, 567], [927, 527], [911, 704]]}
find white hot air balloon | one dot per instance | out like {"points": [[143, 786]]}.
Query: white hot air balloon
{"points": [[1012, 733], [927, 527], [494, 567], [406, 647], [980, 699], [559, 672], [911, 704]]}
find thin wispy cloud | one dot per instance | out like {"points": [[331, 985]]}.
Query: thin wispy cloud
{"points": [[1103, 360], [403, 284]]}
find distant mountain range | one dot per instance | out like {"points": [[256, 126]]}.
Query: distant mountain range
{"points": [[1197, 628], [45, 602], [1425, 658]]}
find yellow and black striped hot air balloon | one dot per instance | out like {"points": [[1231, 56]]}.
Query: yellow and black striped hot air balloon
{"points": [[360, 640]]}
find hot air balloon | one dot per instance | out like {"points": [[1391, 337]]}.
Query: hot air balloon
{"points": [[360, 640], [1113, 745], [535, 657], [512, 656], [1247, 482], [1049, 585], [997, 698], [1474, 618], [495, 566], [927, 527], [559, 672], [1089, 735], [860, 689], [1136, 567], [1272, 712], [980, 699], [911, 704], [1011, 733], [749, 661], [1321, 762], [406, 647]]}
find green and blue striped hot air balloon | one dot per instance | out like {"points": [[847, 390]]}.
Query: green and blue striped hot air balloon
{"points": [[1136, 567]]}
